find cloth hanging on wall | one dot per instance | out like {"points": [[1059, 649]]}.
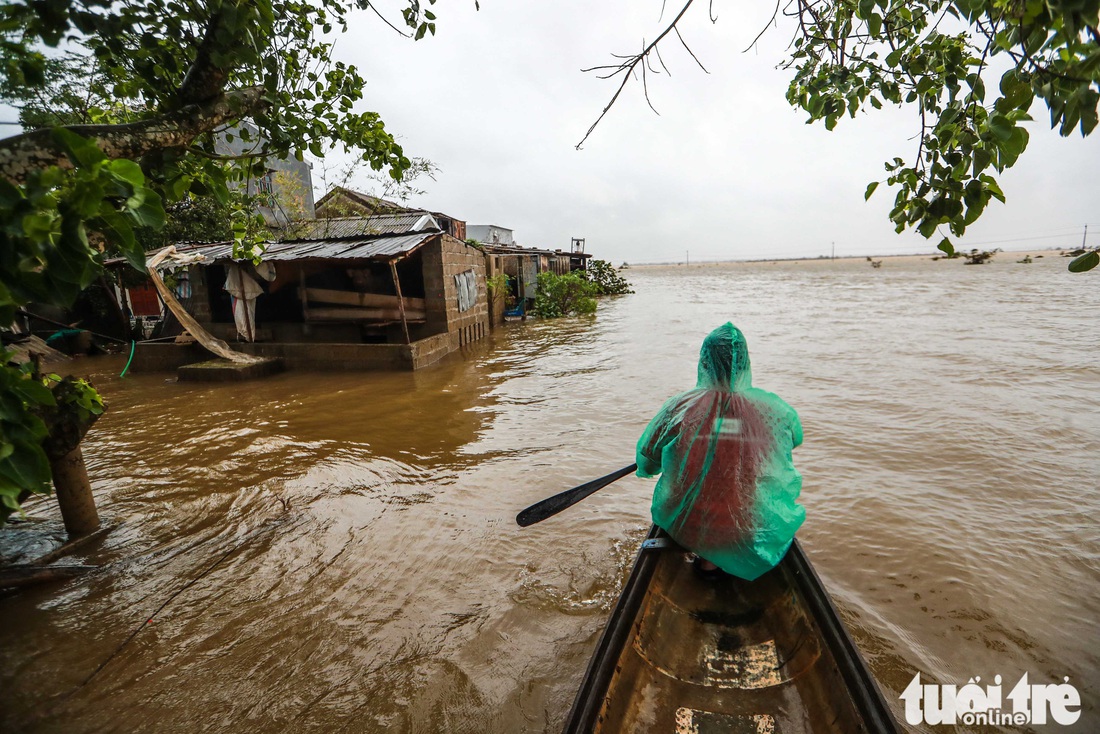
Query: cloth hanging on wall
{"points": [[466, 285], [244, 289]]}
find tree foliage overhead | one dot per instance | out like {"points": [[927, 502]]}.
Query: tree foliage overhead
{"points": [[936, 55], [123, 102]]}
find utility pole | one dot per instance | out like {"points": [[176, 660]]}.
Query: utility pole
{"points": [[687, 257], [834, 251], [1085, 237]]}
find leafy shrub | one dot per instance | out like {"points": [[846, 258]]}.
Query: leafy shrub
{"points": [[607, 280], [980, 257], [564, 295], [498, 286]]}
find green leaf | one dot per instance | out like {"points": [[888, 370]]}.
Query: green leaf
{"points": [[1001, 126], [32, 391], [128, 171], [982, 159], [946, 246], [870, 190], [1086, 262], [27, 466], [146, 208], [80, 150]]}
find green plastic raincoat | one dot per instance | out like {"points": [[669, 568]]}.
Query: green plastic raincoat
{"points": [[728, 489]]}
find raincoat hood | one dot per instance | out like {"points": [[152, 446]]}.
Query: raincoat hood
{"points": [[724, 360]]}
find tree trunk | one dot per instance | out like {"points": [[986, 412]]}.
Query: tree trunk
{"points": [[74, 493], [22, 154]]}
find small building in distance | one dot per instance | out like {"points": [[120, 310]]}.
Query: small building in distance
{"points": [[522, 265], [342, 202], [285, 191], [490, 234]]}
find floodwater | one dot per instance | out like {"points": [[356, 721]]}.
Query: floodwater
{"points": [[337, 552]]}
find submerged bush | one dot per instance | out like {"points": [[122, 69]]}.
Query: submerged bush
{"points": [[564, 295], [607, 280]]}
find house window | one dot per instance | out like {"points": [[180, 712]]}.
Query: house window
{"points": [[265, 187]]}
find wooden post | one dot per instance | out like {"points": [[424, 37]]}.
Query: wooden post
{"points": [[123, 321], [400, 300], [74, 492], [522, 291], [305, 299]]}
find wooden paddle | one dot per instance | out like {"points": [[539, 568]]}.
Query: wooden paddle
{"points": [[553, 505]]}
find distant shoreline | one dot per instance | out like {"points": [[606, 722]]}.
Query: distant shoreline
{"points": [[1001, 256]]}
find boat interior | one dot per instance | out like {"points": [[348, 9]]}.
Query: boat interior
{"points": [[698, 655]]}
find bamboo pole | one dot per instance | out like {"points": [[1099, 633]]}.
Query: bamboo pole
{"points": [[400, 300]]}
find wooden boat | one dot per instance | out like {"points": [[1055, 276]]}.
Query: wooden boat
{"points": [[687, 655]]}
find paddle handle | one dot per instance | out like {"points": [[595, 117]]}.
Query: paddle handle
{"points": [[553, 505]]}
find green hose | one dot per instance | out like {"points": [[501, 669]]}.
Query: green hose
{"points": [[133, 344]]}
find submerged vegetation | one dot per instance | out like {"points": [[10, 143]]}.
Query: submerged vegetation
{"points": [[979, 257], [575, 293], [564, 295], [607, 280], [497, 285]]}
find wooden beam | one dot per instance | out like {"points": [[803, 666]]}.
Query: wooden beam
{"points": [[364, 314], [15, 576], [368, 300], [73, 545], [400, 300]]}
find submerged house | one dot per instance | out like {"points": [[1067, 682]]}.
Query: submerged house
{"points": [[392, 290], [522, 265]]}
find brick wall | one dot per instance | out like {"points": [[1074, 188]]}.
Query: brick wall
{"points": [[444, 258], [458, 257]]}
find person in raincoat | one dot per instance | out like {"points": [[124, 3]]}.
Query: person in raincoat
{"points": [[728, 489]]}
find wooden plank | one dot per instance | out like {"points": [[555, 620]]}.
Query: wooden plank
{"points": [[367, 300], [363, 314], [74, 545], [27, 575], [400, 300]]}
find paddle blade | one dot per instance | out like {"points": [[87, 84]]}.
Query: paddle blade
{"points": [[563, 500]]}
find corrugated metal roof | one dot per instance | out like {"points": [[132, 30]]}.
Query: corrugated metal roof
{"points": [[354, 248], [343, 227], [517, 250]]}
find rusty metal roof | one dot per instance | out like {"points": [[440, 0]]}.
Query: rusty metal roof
{"points": [[345, 227], [380, 248]]}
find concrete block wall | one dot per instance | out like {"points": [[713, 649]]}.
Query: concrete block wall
{"points": [[160, 357], [458, 257], [435, 291], [323, 357]]}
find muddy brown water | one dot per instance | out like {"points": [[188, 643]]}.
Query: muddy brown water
{"points": [[371, 577]]}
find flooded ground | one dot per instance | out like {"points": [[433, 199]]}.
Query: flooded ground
{"points": [[337, 552]]}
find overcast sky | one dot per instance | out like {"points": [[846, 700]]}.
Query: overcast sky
{"points": [[728, 170]]}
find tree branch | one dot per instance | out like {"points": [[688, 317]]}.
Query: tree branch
{"points": [[204, 79], [21, 155], [629, 66]]}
